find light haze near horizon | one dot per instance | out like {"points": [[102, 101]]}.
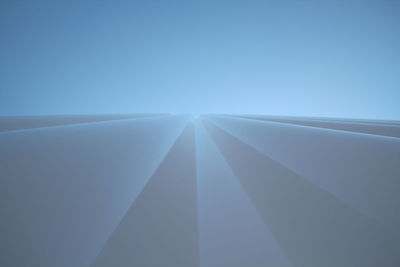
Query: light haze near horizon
{"points": [[283, 57]]}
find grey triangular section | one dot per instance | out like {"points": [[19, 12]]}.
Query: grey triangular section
{"points": [[63, 190], [364, 121], [329, 119], [312, 226], [231, 232], [367, 127], [13, 123], [160, 229], [362, 170]]}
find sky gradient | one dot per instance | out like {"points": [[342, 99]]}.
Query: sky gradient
{"points": [[281, 57]]}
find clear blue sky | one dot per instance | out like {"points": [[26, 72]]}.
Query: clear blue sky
{"points": [[336, 58]]}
